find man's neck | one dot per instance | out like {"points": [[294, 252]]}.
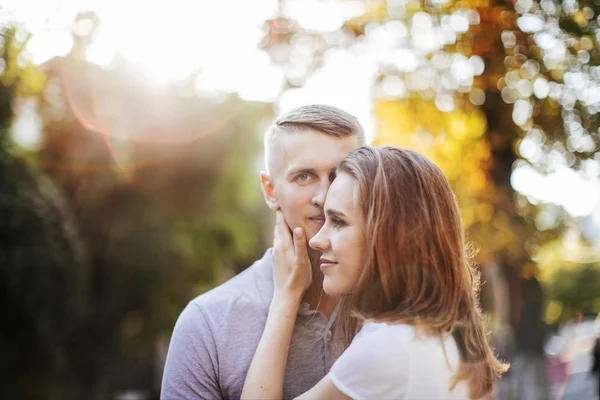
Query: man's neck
{"points": [[315, 296], [321, 302]]}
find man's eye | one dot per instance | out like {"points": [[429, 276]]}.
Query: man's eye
{"points": [[302, 177]]}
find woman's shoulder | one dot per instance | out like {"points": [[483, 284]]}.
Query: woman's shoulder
{"points": [[405, 339], [378, 340], [381, 340], [399, 360], [400, 332], [376, 364]]}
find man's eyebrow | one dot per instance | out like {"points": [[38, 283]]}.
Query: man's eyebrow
{"points": [[302, 170], [334, 213], [308, 170]]}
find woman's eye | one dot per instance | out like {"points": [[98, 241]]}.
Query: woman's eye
{"points": [[336, 222], [302, 177]]}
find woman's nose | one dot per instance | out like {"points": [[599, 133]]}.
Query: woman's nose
{"points": [[319, 241]]}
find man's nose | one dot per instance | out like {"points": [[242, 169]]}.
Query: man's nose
{"points": [[321, 193]]}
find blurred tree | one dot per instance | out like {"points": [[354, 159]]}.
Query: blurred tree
{"points": [[571, 276], [42, 260], [163, 185], [161, 197], [574, 289]]}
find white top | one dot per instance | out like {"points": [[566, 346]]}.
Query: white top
{"points": [[395, 362]]}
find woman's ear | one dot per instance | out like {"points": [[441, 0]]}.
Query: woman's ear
{"points": [[266, 182]]}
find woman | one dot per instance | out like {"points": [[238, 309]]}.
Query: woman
{"points": [[393, 248]]}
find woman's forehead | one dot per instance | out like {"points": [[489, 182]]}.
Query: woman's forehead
{"points": [[343, 195]]}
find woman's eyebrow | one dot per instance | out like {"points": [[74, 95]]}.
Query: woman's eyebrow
{"points": [[332, 213]]}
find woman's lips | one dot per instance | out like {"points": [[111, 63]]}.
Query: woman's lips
{"points": [[327, 264]]}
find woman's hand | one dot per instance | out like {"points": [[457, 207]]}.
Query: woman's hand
{"points": [[292, 273]]}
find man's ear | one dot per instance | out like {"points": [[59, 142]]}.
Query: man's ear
{"points": [[266, 182]]}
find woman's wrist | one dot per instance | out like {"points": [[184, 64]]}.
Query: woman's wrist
{"points": [[285, 302]]}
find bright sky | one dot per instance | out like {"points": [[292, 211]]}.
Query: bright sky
{"points": [[220, 38], [578, 194]]}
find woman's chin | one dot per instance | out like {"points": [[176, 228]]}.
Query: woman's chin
{"points": [[331, 289]]}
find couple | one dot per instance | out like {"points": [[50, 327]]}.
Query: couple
{"points": [[368, 291]]}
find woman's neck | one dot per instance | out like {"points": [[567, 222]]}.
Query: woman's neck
{"points": [[316, 298]]}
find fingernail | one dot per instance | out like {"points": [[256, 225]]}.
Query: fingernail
{"points": [[298, 233]]}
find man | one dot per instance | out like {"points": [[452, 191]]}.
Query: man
{"points": [[216, 335]]}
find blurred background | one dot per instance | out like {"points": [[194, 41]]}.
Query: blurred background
{"points": [[131, 142]]}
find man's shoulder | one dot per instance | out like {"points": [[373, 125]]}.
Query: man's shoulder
{"points": [[250, 290]]}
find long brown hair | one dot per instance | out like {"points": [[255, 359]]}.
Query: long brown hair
{"points": [[419, 268]]}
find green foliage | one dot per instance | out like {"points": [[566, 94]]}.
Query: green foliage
{"points": [[570, 274], [42, 266], [574, 289], [164, 220], [107, 232]]}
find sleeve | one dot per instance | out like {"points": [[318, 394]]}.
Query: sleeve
{"points": [[191, 367], [375, 366]]}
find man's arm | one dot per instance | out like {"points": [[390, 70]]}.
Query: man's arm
{"points": [[191, 369]]}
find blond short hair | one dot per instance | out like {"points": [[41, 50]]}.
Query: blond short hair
{"points": [[321, 118]]}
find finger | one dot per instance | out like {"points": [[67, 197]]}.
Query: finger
{"points": [[282, 230], [278, 216], [300, 250], [302, 273], [277, 239]]}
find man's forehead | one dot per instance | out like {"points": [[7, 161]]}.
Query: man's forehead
{"points": [[303, 148], [303, 162]]}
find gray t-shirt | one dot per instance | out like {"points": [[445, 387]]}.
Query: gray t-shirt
{"points": [[216, 337]]}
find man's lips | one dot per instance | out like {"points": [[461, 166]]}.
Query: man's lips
{"points": [[318, 218]]}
